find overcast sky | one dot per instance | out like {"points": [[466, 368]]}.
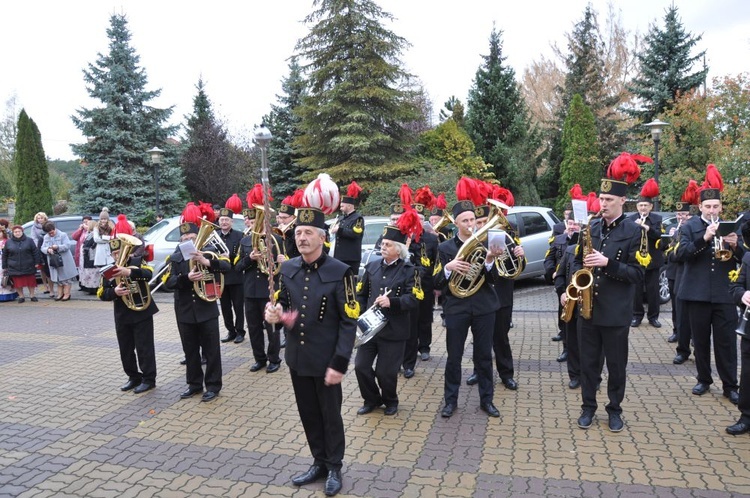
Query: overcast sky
{"points": [[241, 48]]}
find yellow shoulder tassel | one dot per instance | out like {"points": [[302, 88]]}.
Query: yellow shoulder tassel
{"points": [[425, 261], [643, 260], [100, 291], [658, 243], [276, 295], [327, 244], [418, 293], [576, 253], [359, 287], [438, 268], [357, 230], [734, 275], [549, 241], [166, 275], [236, 259], [352, 309]]}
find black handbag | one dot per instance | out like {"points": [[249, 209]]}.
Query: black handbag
{"points": [[55, 260]]}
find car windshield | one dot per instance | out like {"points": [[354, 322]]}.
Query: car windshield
{"points": [[155, 228]]}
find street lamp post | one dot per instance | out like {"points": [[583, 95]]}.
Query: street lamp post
{"points": [[656, 127], [156, 155]]}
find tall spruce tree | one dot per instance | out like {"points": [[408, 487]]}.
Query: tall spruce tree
{"points": [[665, 65], [32, 185], [284, 170], [116, 171], [581, 162], [497, 120], [212, 173], [354, 113]]}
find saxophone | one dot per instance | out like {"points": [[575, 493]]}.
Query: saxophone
{"points": [[583, 279]]}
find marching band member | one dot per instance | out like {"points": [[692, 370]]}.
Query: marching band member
{"points": [[134, 326], [651, 223], [705, 289], [321, 290], [436, 215], [197, 318], [607, 248], [285, 220], [232, 299], [461, 313], [740, 291], [391, 284], [349, 230]]}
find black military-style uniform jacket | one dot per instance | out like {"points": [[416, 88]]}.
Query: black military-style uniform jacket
{"points": [[614, 285], [738, 286], [140, 276], [349, 237], [704, 278], [557, 229], [503, 285], [484, 301], [323, 334], [555, 253], [653, 235], [255, 281], [401, 278], [674, 264], [424, 255], [232, 240], [290, 245], [188, 307]]}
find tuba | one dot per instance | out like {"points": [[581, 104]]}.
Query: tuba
{"points": [[208, 288], [583, 279], [259, 241], [139, 298], [508, 265], [474, 253], [443, 222]]}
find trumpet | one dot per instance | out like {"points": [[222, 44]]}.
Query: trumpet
{"points": [[720, 252]]}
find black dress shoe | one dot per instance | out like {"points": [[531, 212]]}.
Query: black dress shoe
{"points": [[472, 380], [391, 410], [733, 396], [142, 388], [489, 409], [574, 384], [183, 361], [635, 322], [679, 359], [738, 428], [700, 389], [408, 373], [239, 338], [586, 419], [424, 356], [563, 356], [615, 422], [209, 396], [257, 366], [333, 483], [672, 338], [273, 367], [655, 323], [448, 411], [557, 338], [131, 384], [366, 409], [510, 384], [190, 392], [229, 337], [314, 473]]}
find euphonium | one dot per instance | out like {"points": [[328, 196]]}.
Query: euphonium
{"points": [[443, 222], [719, 252], [583, 279], [473, 252], [140, 297], [508, 264], [208, 288], [259, 241]]}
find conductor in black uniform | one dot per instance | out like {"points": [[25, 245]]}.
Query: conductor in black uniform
{"points": [[740, 290], [349, 230], [651, 223], [615, 240], [397, 276], [134, 327], [319, 344], [705, 291], [461, 313], [232, 298], [197, 318]]}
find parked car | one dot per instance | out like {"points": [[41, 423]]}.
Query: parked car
{"points": [[164, 236]]}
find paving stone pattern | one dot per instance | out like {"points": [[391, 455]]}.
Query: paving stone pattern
{"points": [[67, 430]]}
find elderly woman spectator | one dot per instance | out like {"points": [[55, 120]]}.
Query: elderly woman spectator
{"points": [[102, 235], [7, 293], [37, 235], [56, 242], [88, 275], [20, 260]]}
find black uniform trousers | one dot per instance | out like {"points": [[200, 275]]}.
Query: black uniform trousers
{"points": [[257, 330], [412, 344], [232, 308], [197, 337], [137, 338], [722, 318], [613, 341], [426, 311], [574, 350], [744, 404], [651, 283], [501, 343], [482, 329], [681, 319], [389, 357], [319, 409]]}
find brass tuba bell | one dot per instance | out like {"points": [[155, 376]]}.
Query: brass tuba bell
{"points": [[259, 241], [208, 288], [140, 296]]}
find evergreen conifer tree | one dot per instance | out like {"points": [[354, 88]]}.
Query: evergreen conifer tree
{"points": [[32, 185], [581, 163], [116, 170], [353, 115], [665, 66]]}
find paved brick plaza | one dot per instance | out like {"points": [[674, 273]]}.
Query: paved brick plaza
{"points": [[66, 429]]}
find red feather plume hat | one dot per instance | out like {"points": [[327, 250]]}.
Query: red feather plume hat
{"points": [[352, 194], [191, 214], [649, 191], [254, 196], [122, 225], [424, 200], [622, 171], [234, 203], [207, 211], [592, 203], [713, 185], [468, 196], [576, 192], [690, 197], [440, 204]]}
